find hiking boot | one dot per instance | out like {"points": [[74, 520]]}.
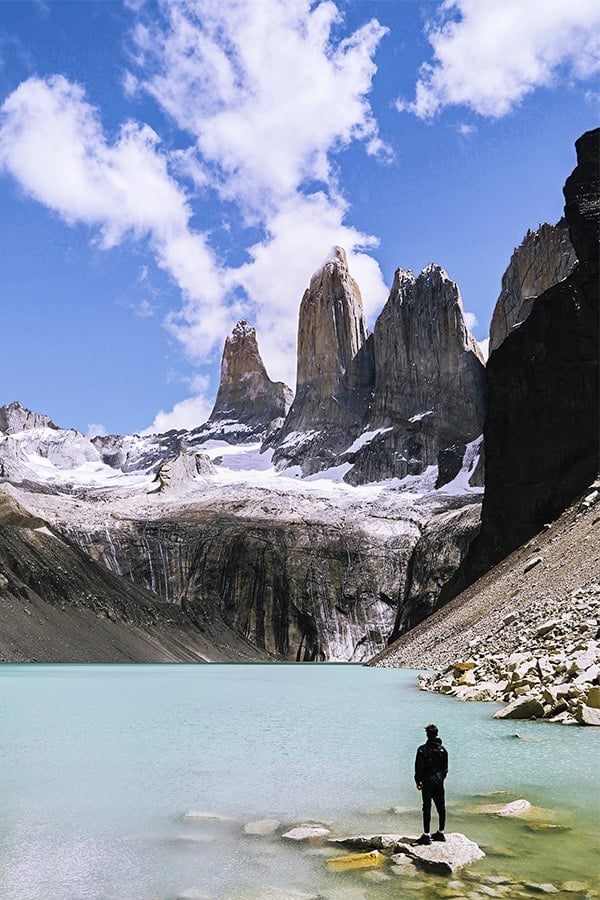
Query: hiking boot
{"points": [[423, 840], [438, 836]]}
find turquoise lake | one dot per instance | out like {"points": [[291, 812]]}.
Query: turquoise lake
{"points": [[99, 766]]}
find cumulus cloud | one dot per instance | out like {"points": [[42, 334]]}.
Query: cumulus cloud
{"points": [[52, 142], [186, 414], [267, 93], [95, 430], [263, 89], [489, 54]]}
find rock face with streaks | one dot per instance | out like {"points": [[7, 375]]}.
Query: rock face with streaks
{"points": [[429, 390], [246, 394], [334, 371], [301, 590], [543, 258], [59, 605], [385, 405]]}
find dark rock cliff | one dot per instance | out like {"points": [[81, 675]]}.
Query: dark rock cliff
{"points": [[542, 425], [301, 590]]}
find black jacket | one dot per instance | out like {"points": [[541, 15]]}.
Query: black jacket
{"points": [[431, 762]]}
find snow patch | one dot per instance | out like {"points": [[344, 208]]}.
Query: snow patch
{"points": [[420, 416], [460, 484], [365, 438]]}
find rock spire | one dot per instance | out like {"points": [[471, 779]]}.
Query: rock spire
{"points": [[334, 369], [246, 393]]}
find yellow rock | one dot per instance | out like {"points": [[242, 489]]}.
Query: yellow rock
{"points": [[356, 861], [547, 826]]}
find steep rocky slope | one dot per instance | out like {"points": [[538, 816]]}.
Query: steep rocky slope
{"points": [[528, 628]]}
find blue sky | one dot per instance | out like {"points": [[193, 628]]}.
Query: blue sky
{"points": [[167, 168]]}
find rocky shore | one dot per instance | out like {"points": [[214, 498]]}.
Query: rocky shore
{"points": [[527, 633], [545, 664]]}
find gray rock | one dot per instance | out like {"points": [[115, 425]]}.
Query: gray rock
{"points": [[541, 888], [543, 258], [515, 808], [525, 707], [454, 854], [246, 394], [587, 715], [306, 833]]}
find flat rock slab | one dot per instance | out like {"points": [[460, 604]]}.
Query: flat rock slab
{"points": [[306, 833], [350, 861], [456, 852]]}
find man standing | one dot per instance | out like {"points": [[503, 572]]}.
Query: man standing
{"points": [[431, 768]]}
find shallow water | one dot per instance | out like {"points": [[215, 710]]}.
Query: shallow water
{"points": [[100, 764]]}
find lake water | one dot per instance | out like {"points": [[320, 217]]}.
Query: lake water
{"points": [[100, 764]]}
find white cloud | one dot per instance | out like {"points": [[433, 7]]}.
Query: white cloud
{"points": [[484, 346], [268, 93], [95, 430], [263, 89], [470, 320], [186, 414], [489, 54], [268, 98], [52, 142]]}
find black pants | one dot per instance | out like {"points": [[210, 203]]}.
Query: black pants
{"points": [[433, 790]]}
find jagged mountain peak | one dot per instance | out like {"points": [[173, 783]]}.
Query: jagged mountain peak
{"points": [[14, 418], [247, 400]]}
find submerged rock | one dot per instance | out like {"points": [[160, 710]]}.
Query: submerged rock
{"points": [[516, 808], [262, 828], [350, 861], [306, 833]]}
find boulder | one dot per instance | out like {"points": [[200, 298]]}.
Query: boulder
{"points": [[592, 698], [525, 707], [587, 715], [450, 856]]}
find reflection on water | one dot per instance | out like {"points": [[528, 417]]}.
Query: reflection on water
{"points": [[99, 766]]}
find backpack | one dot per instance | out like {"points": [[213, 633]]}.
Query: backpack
{"points": [[435, 761]]}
